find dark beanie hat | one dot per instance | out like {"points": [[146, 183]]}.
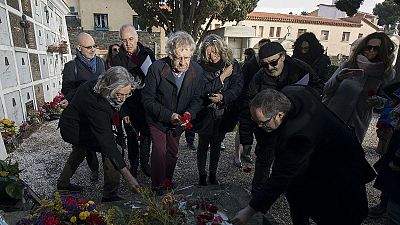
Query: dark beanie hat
{"points": [[270, 49]]}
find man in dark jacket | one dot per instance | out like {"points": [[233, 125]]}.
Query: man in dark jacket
{"points": [[88, 124], [136, 58], [319, 164], [278, 70], [86, 66], [172, 88]]}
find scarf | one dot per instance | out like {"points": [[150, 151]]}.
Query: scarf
{"points": [[213, 67], [373, 69], [91, 63]]}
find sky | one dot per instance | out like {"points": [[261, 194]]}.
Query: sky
{"points": [[297, 6]]}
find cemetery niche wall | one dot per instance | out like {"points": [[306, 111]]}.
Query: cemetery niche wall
{"points": [[29, 73]]}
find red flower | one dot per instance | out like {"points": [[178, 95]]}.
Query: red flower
{"points": [[206, 216], [172, 211], [51, 220], [187, 116], [95, 219], [213, 209], [371, 93], [247, 170], [167, 183], [188, 126], [53, 104]]}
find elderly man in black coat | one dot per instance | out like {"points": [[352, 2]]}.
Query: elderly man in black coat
{"points": [[319, 164]]}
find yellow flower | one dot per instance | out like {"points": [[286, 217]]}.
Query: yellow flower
{"points": [[4, 173], [90, 202], [73, 219], [82, 216], [87, 204]]}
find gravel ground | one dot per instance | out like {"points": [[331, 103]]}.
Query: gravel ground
{"points": [[44, 153]]}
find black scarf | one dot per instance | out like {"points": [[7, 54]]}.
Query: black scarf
{"points": [[213, 67]]}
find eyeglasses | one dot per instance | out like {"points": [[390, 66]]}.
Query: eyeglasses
{"points": [[180, 59], [372, 47], [123, 96], [89, 47], [115, 49], [264, 124], [272, 63]]}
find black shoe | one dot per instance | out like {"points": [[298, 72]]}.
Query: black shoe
{"points": [[246, 158], [112, 199], [94, 176], [70, 187], [213, 179], [377, 211], [191, 146], [146, 169], [203, 180], [133, 171]]}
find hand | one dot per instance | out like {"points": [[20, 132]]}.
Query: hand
{"points": [[375, 102], [175, 119], [227, 72], [64, 103], [394, 167], [243, 216], [127, 120], [344, 74], [133, 185], [217, 98]]}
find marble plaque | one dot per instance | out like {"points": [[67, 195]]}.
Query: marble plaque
{"points": [[37, 10], [26, 7], [13, 106], [4, 32], [48, 97], [23, 67], [35, 67], [8, 73], [56, 88], [57, 65], [29, 109], [27, 94], [13, 3], [40, 36], [31, 36], [17, 31], [1, 110], [45, 14], [50, 59], [44, 67], [39, 95]]}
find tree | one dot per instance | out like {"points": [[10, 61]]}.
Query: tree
{"points": [[189, 15], [304, 13], [388, 12], [349, 6]]}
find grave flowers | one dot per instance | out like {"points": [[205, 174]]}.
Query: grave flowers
{"points": [[11, 187]]}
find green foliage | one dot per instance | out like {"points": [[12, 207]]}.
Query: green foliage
{"points": [[10, 183], [349, 6], [189, 15], [388, 12], [304, 13]]}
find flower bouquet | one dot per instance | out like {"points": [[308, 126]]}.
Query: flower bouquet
{"points": [[11, 187], [61, 47], [52, 110], [9, 131], [65, 210]]}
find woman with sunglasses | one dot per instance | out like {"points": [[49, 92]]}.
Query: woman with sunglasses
{"points": [[112, 50], [223, 85], [351, 91]]}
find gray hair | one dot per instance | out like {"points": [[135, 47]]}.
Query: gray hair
{"points": [[179, 39], [270, 102], [220, 46], [128, 27], [113, 79]]}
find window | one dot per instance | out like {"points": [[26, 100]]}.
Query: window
{"points": [[260, 31], [271, 31], [346, 36], [360, 35], [300, 32], [278, 31], [255, 28], [136, 22], [101, 22], [324, 35]]}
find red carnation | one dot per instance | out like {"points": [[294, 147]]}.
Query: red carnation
{"points": [[51, 220], [167, 183], [371, 93], [213, 209]]}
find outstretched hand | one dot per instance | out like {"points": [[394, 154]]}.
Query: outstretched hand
{"points": [[243, 216]]}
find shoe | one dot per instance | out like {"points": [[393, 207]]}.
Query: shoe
{"points": [[133, 172], [112, 199], [203, 180], [212, 179], [146, 169], [246, 158], [94, 176], [191, 146], [222, 146], [70, 187], [237, 163], [377, 211]]}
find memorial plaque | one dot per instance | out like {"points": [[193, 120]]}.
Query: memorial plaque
{"points": [[14, 107], [27, 94], [57, 65], [1, 110], [2, 1], [48, 97], [23, 67], [40, 36], [44, 68], [26, 7], [37, 11], [45, 14], [56, 88], [29, 109], [13, 3], [50, 59], [31, 36], [39, 95], [35, 67], [8, 73], [17, 31], [4, 31]]}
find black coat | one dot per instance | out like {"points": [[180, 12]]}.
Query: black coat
{"points": [[318, 162], [321, 67], [87, 122], [160, 94], [75, 73], [133, 106], [293, 71]]}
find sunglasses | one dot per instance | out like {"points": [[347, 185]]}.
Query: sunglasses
{"points": [[89, 47], [372, 47], [272, 63], [115, 49]]}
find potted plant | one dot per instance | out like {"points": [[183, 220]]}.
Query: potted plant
{"points": [[52, 110], [11, 187]]}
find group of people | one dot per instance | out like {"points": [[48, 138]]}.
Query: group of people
{"points": [[306, 123]]}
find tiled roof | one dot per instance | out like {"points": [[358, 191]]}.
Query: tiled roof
{"points": [[287, 18]]}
